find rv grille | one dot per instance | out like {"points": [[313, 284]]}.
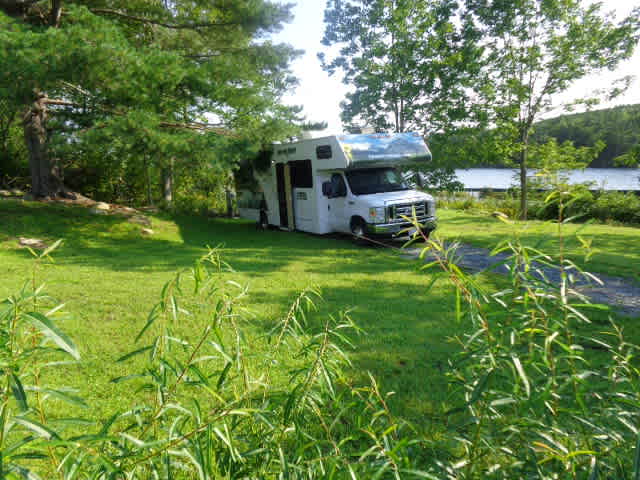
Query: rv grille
{"points": [[397, 212]]}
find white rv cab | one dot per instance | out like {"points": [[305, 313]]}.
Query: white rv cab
{"points": [[344, 183]]}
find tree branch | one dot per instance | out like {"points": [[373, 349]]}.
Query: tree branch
{"points": [[177, 26], [205, 127], [64, 103]]}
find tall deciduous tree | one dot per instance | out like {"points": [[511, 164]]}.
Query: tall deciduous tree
{"points": [[534, 51], [410, 63], [142, 75]]}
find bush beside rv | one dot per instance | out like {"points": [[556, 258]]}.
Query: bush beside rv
{"points": [[343, 183]]}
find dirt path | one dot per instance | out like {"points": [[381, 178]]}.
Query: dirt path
{"points": [[621, 293]]}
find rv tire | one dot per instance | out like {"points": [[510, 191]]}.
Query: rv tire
{"points": [[358, 230]]}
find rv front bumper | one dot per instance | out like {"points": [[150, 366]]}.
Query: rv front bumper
{"points": [[397, 229]]}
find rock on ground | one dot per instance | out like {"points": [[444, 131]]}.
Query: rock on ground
{"points": [[32, 243], [98, 211], [140, 220]]}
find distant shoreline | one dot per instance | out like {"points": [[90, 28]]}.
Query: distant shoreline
{"points": [[494, 178]]}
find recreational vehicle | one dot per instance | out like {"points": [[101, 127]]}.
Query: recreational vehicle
{"points": [[343, 183]]}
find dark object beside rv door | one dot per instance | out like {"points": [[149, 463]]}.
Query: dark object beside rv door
{"points": [[282, 195]]}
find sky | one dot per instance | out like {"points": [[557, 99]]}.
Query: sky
{"points": [[320, 95]]}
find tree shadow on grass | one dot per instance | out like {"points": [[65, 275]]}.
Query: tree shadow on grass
{"points": [[112, 243], [407, 340]]}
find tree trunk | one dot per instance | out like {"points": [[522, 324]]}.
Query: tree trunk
{"points": [[35, 136], [56, 13], [167, 183], [148, 175], [46, 175], [523, 176]]}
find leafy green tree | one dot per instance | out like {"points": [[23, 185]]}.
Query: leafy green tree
{"points": [[143, 80], [535, 50], [631, 158], [409, 63]]}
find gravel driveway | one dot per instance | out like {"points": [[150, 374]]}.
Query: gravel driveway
{"points": [[621, 293]]}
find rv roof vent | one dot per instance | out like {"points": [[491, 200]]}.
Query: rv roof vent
{"points": [[323, 152]]}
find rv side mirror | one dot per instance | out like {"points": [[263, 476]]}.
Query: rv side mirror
{"points": [[326, 189]]}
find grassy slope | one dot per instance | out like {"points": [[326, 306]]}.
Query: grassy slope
{"points": [[109, 276], [617, 249]]}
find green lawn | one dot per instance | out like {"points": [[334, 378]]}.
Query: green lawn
{"points": [[109, 276], [616, 249]]}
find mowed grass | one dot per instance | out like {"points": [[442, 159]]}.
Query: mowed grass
{"points": [[109, 276], [616, 250]]}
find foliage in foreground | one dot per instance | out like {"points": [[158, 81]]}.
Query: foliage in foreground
{"points": [[208, 409], [535, 401]]}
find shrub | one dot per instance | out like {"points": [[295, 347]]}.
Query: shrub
{"points": [[537, 402], [618, 206], [584, 205], [580, 207]]}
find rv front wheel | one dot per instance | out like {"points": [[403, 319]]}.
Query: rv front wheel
{"points": [[358, 229]]}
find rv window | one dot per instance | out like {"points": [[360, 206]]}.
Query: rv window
{"points": [[338, 186], [375, 180], [323, 152], [301, 174]]}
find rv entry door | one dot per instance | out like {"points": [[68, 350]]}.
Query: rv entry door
{"points": [[338, 210]]}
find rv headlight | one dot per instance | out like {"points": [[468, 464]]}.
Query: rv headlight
{"points": [[376, 215]]}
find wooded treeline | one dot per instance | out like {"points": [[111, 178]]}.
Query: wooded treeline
{"points": [[617, 127]]}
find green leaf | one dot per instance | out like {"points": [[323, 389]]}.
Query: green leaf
{"points": [[134, 353], [51, 248], [22, 472], [65, 397], [49, 330], [420, 474], [153, 315], [636, 461], [18, 392], [36, 427], [522, 374], [223, 375], [594, 469], [476, 394]]}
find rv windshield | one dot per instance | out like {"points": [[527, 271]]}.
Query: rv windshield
{"points": [[375, 180]]}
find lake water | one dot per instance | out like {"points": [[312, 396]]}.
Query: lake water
{"points": [[503, 178]]}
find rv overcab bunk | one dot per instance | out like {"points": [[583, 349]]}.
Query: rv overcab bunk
{"points": [[343, 183]]}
